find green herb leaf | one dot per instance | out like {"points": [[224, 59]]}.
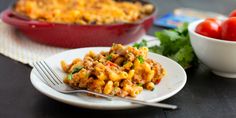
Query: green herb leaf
{"points": [[141, 60], [109, 57], [69, 77], [143, 43], [140, 84], [182, 29], [167, 35], [77, 69], [155, 49], [175, 44]]}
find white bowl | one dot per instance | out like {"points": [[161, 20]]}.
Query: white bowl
{"points": [[217, 54]]}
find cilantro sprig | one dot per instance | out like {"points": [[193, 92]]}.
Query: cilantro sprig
{"points": [[143, 43], [109, 57], [141, 59], [140, 84], [75, 70], [175, 44]]}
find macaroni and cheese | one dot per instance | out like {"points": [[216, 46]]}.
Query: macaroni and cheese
{"points": [[83, 11], [121, 71]]}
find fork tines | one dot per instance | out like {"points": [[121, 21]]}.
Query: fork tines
{"points": [[47, 73]]}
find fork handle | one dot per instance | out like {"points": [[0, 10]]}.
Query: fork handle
{"points": [[152, 104], [159, 105]]}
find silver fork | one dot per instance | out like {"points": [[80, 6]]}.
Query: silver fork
{"points": [[54, 81]]}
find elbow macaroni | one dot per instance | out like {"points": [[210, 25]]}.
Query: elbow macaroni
{"points": [[113, 72]]}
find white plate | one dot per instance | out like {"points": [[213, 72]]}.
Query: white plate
{"points": [[172, 83]]}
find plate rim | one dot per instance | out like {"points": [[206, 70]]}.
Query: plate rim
{"points": [[112, 107]]}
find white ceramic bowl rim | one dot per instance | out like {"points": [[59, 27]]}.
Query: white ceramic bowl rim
{"points": [[192, 26]]}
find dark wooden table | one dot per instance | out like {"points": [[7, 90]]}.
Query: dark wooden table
{"points": [[204, 96]]}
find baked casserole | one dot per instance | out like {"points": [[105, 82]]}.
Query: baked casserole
{"points": [[84, 11]]}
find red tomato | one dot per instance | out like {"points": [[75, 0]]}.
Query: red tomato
{"points": [[229, 29], [233, 14], [214, 20], [209, 28], [109, 63]]}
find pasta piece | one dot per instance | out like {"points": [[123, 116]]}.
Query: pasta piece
{"points": [[149, 76], [113, 76], [91, 54], [137, 65], [64, 66], [135, 91], [99, 82], [83, 73], [123, 75], [128, 65], [143, 51], [116, 84], [99, 67], [127, 88], [108, 87], [102, 76], [146, 67], [130, 75], [126, 82], [150, 86]]}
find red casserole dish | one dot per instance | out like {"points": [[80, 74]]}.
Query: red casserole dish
{"points": [[74, 35]]}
